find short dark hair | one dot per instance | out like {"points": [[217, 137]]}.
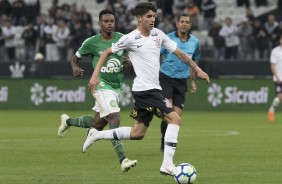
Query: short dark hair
{"points": [[182, 15], [105, 11], [142, 8]]}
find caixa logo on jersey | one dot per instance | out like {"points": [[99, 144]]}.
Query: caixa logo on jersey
{"points": [[52, 94], [232, 94], [113, 66]]}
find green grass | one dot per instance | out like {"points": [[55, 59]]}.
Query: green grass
{"points": [[224, 147]]}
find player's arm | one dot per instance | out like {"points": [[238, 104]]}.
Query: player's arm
{"points": [[274, 72], [95, 75], [76, 70], [187, 60], [193, 86]]}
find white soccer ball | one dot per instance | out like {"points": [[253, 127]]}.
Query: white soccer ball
{"points": [[185, 174]]}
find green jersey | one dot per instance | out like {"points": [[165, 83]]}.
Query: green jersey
{"points": [[111, 74]]}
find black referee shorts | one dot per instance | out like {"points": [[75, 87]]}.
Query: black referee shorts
{"points": [[149, 103]]}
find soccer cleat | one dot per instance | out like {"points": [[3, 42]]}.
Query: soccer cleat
{"points": [[126, 164], [90, 139], [271, 116], [63, 127], [168, 170]]}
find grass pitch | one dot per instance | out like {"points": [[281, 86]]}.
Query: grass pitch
{"points": [[224, 147]]}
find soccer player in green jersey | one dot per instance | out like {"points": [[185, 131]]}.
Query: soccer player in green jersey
{"points": [[107, 94]]}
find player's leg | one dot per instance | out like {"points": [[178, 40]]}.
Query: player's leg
{"points": [[171, 136], [84, 121], [107, 104], [275, 103], [142, 116], [167, 91]]}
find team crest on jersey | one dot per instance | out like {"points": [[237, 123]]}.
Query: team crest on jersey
{"points": [[167, 103], [158, 42]]}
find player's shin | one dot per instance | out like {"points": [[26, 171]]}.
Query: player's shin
{"points": [[121, 133], [170, 143]]}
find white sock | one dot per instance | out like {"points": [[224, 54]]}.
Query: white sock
{"points": [[171, 135], [121, 133], [275, 103]]}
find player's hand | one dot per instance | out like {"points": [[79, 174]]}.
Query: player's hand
{"points": [[77, 72], [203, 75], [193, 87], [93, 82]]}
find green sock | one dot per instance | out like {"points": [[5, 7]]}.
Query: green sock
{"points": [[83, 121], [117, 144]]}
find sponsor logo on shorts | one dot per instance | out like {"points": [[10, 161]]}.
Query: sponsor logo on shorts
{"points": [[113, 103]]}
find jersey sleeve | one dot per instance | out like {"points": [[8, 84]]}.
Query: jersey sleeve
{"points": [[168, 44], [273, 57], [85, 49], [121, 44]]}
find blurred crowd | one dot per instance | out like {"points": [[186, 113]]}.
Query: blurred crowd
{"points": [[60, 32]]}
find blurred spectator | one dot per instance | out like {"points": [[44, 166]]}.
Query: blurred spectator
{"points": [[53, 9], [279, 12], [61, 35], [32, 10], [209, 11], [89, 30], [261, 3], [250, 16], [36, 68], [2, 46], [66, 12], [245, 3], [193, 11], [30, 37], [51, 47], [165, 6], [129, 4], [9, 33], [271, 27], [229, 31], [18, 13], [84, 16], [166, 25], [41, 23], [73, 8], [245, 32], [260, 39], [77, 36], [218, 41], [5, 8], [178, 6]]}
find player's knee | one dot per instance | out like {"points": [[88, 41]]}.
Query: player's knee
{"points": [[173, 118], [113, 118], [137, 136], [98, 126]]}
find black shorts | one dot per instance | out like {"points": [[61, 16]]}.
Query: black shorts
{"points": [[174, 89], [278, 87], [149, 103]]}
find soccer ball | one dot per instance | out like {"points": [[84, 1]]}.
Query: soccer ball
{"points": [[185, 174]]}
